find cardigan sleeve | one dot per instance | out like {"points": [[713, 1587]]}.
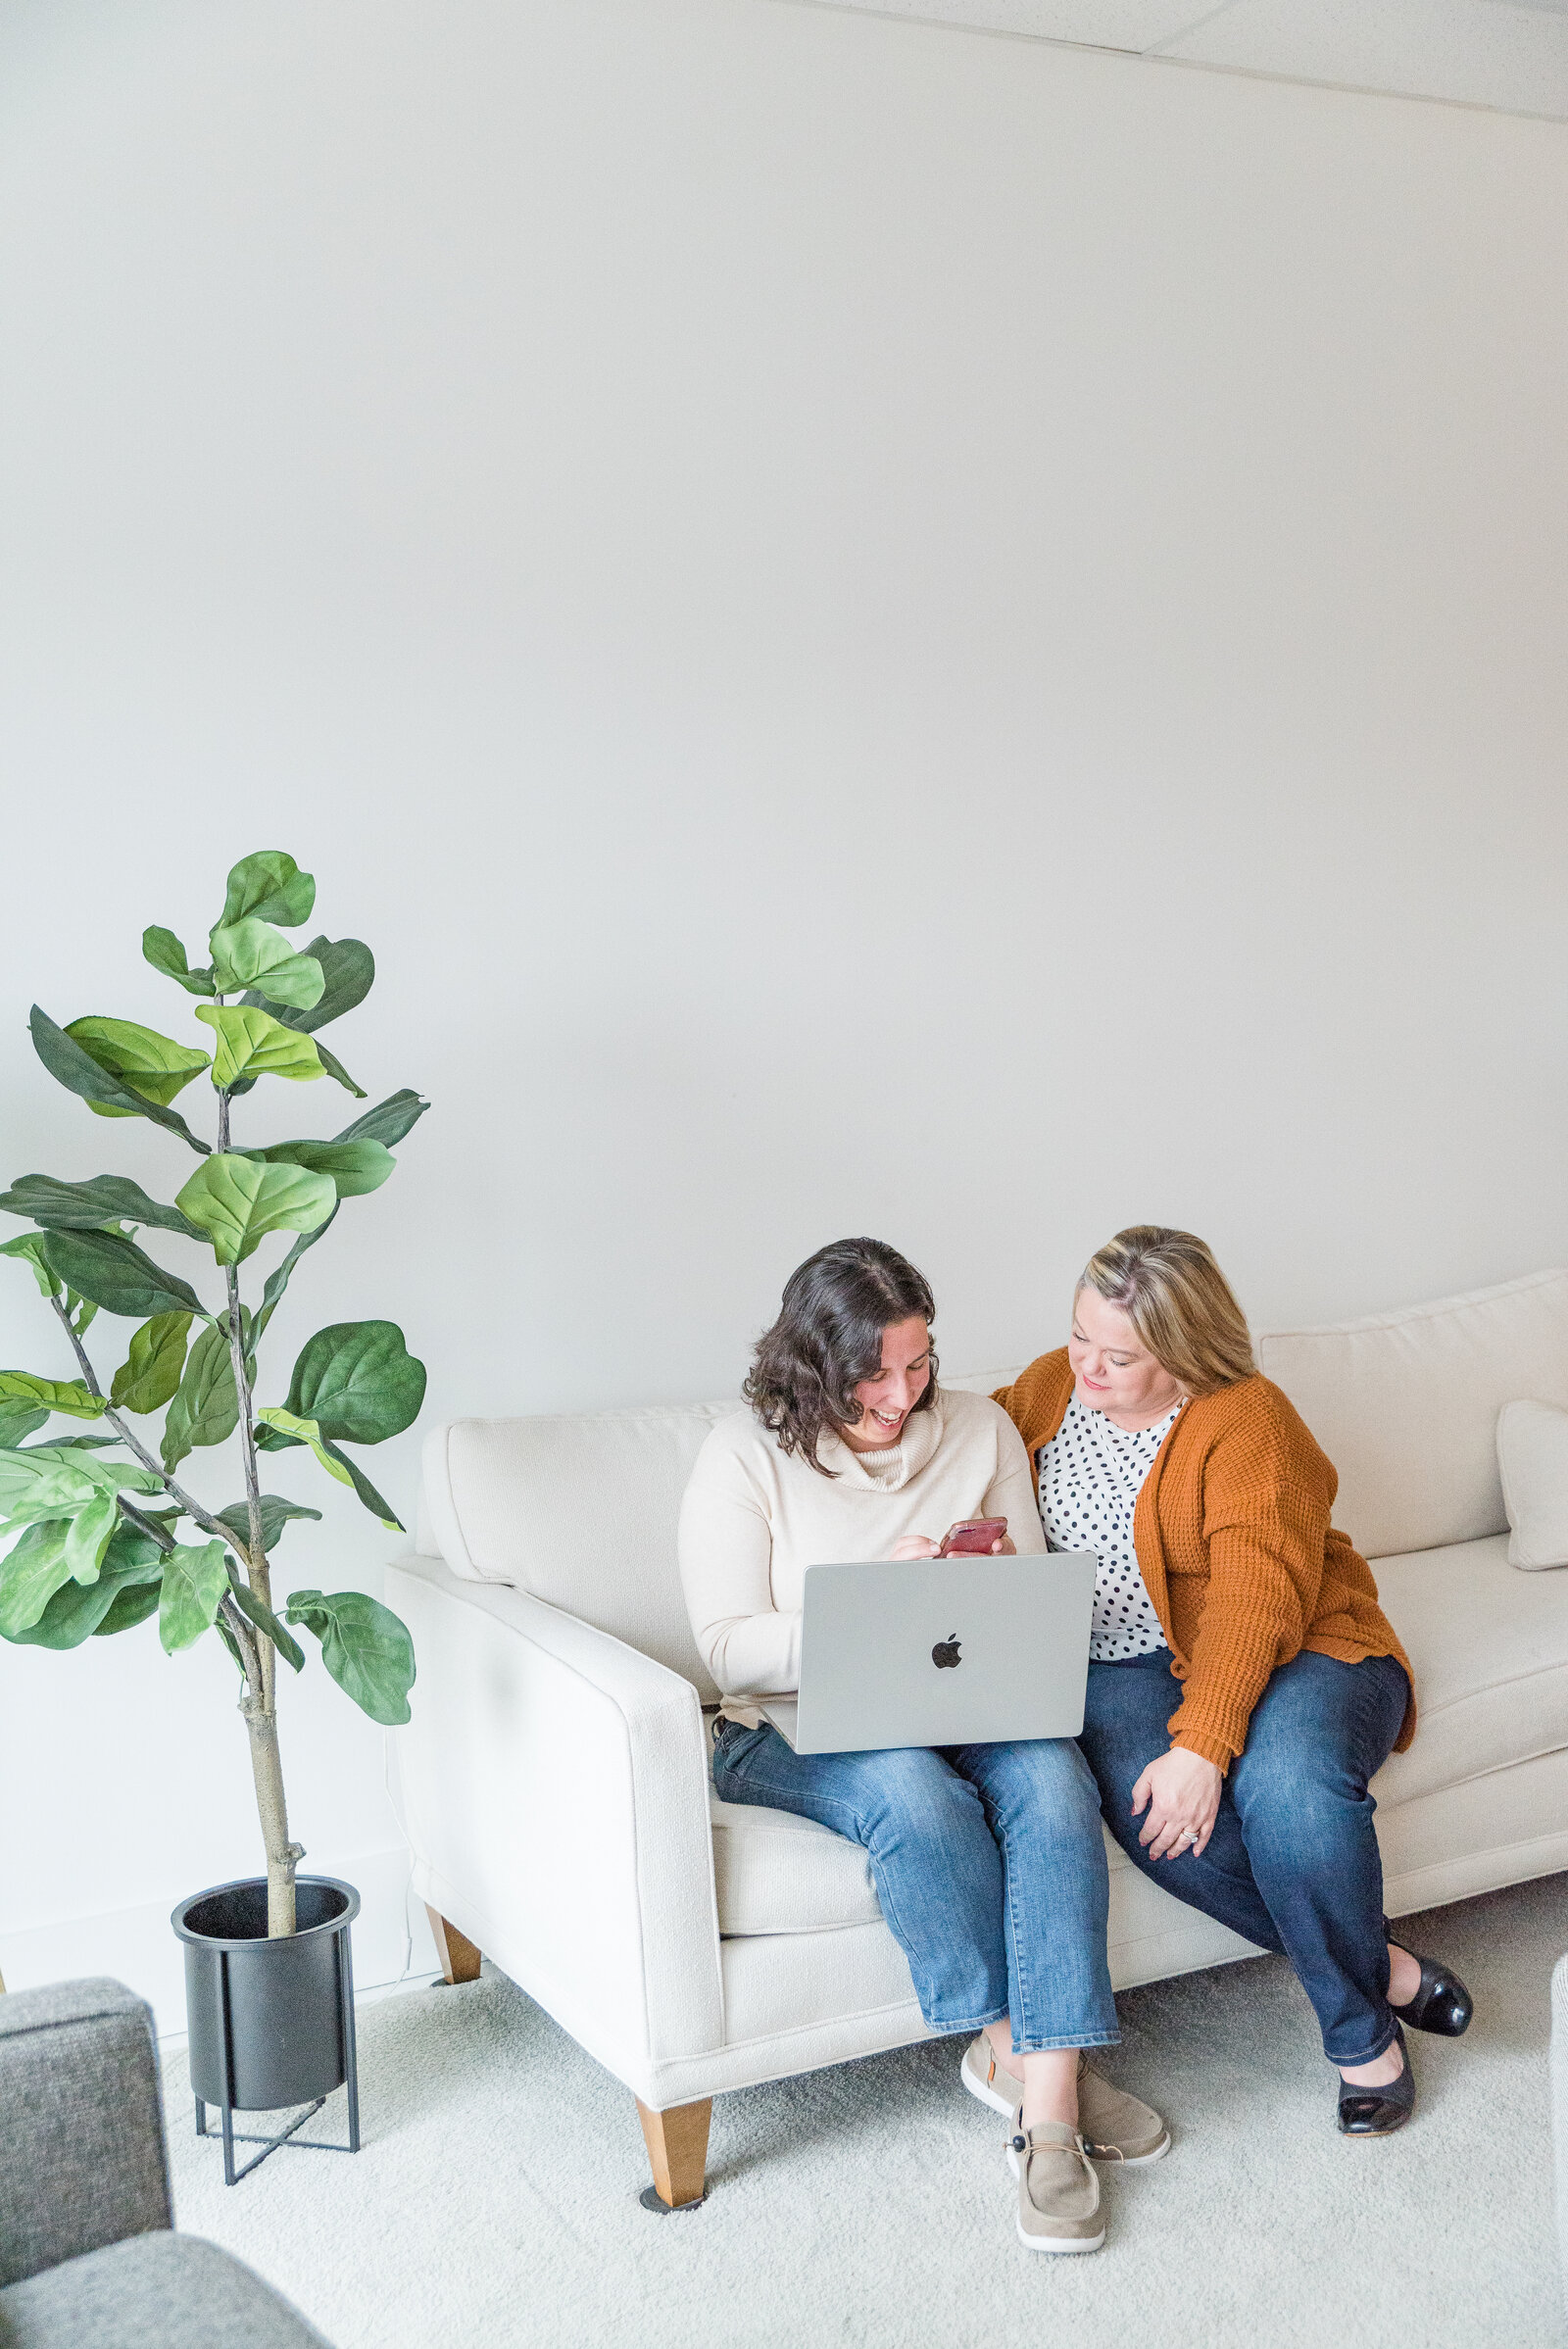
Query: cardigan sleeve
{"points": [[1268, 1495], [726, 1556]]}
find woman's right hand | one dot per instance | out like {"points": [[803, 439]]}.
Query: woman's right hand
{"points": [[916, 1546]]}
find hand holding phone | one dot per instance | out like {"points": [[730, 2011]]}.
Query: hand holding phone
{"points": [[972, 1536]]}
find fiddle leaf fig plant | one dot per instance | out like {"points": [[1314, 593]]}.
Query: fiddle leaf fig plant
{"points": [[104, 1534]]}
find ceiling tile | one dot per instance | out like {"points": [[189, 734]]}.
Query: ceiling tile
{"points": [[1099, 24], [1489, 52]]}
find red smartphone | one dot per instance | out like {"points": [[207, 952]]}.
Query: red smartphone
{"points": [[972, 1536]]}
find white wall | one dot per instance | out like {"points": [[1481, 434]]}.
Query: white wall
{"points": [[885, 630]]}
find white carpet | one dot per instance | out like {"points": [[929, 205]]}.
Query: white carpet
{"points": [[495, 2200]]}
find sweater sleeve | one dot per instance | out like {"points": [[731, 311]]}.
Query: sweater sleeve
{"points": [[1267, 1503], [726, 1554], [1011, 1491]]}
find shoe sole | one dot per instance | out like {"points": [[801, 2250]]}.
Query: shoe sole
{"points": [[1108, 2160], [1060, 2244], [1036, 2243]]}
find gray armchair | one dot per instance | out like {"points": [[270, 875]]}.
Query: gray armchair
{"points": [[1559, 2104], [87, 2252]]}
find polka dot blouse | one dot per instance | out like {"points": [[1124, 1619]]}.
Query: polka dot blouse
{"points": [[1091, 1473]]}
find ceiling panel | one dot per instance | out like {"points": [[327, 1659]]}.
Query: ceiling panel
{"points": [[1511, 54], [1481, 50], [1101, 24]]}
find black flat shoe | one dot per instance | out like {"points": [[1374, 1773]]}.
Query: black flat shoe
{"points": [[1442, 2004], [1378, 2112]]}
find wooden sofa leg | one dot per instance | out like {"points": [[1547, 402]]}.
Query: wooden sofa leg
{"points": [[460, 1960], [678, 2148]]}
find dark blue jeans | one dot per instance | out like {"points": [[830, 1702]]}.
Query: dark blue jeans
{"points": [[1292, 1863], [989, 1863]]}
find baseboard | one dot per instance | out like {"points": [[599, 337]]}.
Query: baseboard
{"points": [[137, 1946]]}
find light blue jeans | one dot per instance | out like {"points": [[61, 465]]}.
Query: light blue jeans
{"points": [[989, 1863]]}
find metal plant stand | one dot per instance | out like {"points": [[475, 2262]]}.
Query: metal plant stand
{"points": [[272, 2022]]}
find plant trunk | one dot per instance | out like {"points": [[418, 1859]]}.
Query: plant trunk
{"points": [[282, 1856]]}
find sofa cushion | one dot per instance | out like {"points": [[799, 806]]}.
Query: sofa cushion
{"points": [[1533, 1464], [1405, 1405], [777, 1873], [1490, 1650]]}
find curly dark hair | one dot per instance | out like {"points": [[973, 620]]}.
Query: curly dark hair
{"points": [[828, 1337]]}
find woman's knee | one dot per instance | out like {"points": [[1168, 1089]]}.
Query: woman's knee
{"points": [[1045, 1781]]}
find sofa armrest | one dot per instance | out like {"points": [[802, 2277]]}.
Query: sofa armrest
{"points": [[554, 1787], [82, 2161]]}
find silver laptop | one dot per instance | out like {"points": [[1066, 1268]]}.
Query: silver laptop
{"points": [[940, 1651]]}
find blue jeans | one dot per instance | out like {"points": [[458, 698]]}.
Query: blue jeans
{"points": [[989, 1863], [1292, 1863]]}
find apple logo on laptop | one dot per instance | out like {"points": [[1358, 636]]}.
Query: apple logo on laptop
{"points": [[945, 1655]]}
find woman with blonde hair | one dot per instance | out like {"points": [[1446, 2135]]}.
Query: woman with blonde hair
{"points": [[1157, 1443]]}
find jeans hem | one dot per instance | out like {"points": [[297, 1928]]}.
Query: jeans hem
{"points": [[975, 2022], [1372, 2054], [1082, 2038]]}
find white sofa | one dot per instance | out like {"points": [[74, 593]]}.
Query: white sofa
{"points": [[555, 1780]]}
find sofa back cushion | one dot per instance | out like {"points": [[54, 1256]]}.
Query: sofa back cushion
{"points": [[580, 1511], [1405, 1405]]}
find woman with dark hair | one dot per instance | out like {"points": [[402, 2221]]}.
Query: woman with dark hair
{"points": [[1244, 1682], [988, 1859]]}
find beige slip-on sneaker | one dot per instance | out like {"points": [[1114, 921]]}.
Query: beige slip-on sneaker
{"points": [[1116, 2127], [1058, 2194]]}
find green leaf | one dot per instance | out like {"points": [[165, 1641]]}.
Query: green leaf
{"points": [[195, 1583], [55, 1479], [18, 1421], [84, 1206], [150, 1374], [126, 1591], [355, 1167], [275, 1514], [131, 1606], [389, 1120], [206, 1408], [277, 1282], [39, 1484], [150, 1065], [264, 1620], [238, 1199], [32, 1574], [357, 1382], [163, 950], [70, 1395], [277, 1429], [252, 954], [331, 1066], [79, 1073], [89, 1534], [271, 885], [365, 1646], [114, 1273], [221, 1627], [29, 1246], [369, 1496], [251, 1042], [348, 971]]}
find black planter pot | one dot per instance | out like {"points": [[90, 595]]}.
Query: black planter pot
{"points": [[271, 2021]]}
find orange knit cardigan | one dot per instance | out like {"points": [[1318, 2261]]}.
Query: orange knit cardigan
{"points": [[1233, 1541]]}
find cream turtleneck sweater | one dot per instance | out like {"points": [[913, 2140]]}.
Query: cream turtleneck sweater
{"points": [[754, 1518]]}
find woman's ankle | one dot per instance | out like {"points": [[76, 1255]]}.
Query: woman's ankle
{"points": [[1050, 2086]]}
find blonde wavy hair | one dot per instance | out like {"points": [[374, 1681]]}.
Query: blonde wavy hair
{"points": [[1179, 1301]]}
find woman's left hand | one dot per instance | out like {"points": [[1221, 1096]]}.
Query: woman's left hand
{"points": [[1182, 1790]]}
